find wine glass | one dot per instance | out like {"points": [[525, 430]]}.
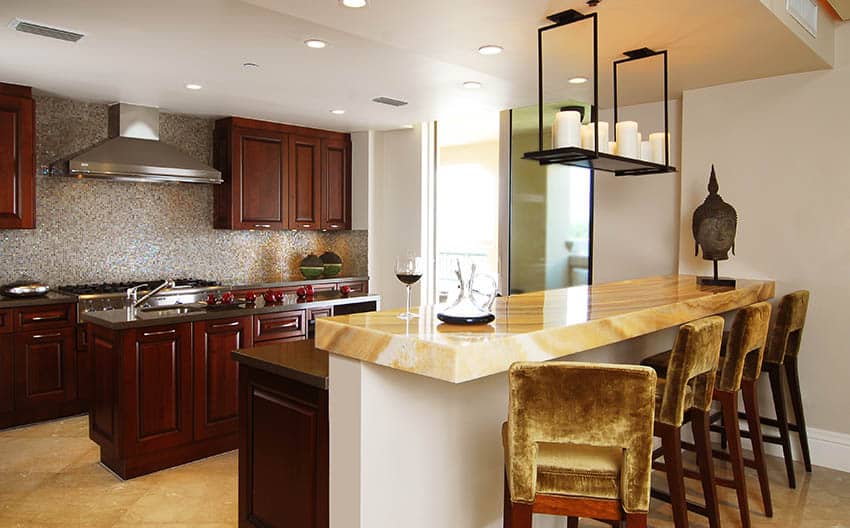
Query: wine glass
{"points": [[408, 270]]}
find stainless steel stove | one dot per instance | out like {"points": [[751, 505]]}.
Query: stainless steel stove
{"points": [[110, 295]]}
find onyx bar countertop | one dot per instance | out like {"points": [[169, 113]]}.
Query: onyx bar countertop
{"points": [[50, 298], [299, 361], [122, 320]]}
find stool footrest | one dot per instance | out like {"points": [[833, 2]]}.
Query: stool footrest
{"points": [[665, 497]]}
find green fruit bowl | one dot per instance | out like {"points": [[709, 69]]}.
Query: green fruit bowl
{"points": [[332, 270], [311, 272]]}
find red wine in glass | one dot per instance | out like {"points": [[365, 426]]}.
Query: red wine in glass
{"points": [[408, 270], [408, 278]]}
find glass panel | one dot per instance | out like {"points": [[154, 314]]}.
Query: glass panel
{"points": [[550, 213]]}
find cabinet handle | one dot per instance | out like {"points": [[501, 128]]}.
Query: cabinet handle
{"points": [[225, 325], [334, 226], [42, 336], [262, 226], [305, 225], [161, 332], [292, 324], [47, 318]]}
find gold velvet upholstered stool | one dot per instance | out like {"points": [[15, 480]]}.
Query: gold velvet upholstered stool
{"points": [[685, 395], [578, 442], [740, 369], [783, 349]]}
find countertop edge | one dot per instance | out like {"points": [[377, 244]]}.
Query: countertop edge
{"points": [[280, 370]]}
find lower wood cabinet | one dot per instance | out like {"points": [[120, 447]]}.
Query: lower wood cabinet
{"points": [[7, 380], [45, 370], [158, 367], [283, 452], [280, 326], [217, 374]]}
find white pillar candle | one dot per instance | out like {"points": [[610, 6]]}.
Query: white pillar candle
{"points": [[603, 137], [587, 137], [566, 129], [627, 139], [640, 138], [612, 148], [656, 142], [645, 151]]}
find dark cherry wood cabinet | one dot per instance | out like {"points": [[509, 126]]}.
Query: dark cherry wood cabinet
{"points": [[279, 176], [280, 326], [45, 369], [217, 374], [17, 157], [7, 380], [254, 165], [336, 184], [305, 175], [283, 452]]}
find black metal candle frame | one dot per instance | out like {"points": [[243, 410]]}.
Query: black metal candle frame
{"points": [[593, 159]]}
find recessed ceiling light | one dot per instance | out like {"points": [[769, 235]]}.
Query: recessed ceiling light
{"points": [[490, 49], [353, 3], [315, 43], [250, 65], [578, 80], [472, 85], [191, 86], [338, 112]]}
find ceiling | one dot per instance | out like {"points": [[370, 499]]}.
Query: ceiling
{"points": [[421, 52]]}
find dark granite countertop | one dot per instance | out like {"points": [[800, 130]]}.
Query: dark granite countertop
{"points": [[289, 284], [296, 360], [121, 320], [50, 298]]}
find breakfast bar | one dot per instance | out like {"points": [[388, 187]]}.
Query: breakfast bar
{"points": [[416, 406]]}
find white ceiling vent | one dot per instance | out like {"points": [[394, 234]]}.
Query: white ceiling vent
{"points": [[45, 31], [389, 101], [805, 12]]}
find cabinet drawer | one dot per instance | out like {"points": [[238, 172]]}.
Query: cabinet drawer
{"points": [[5, 321], [356, 286], [39, 317], [315, 313], [281, 325]]}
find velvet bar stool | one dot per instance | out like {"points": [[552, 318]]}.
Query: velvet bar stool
{"points": [[685, 395], [739, 371], [578, 442], [783, 349]]}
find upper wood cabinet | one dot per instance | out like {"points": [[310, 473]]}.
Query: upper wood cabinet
{"points": [[336, 184], [280, 176], [17, 157], [305, 182]]}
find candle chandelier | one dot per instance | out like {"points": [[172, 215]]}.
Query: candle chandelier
{"points": [[588, 146]]}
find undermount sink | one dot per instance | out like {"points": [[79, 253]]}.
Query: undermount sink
{"points": [[175, 308]]}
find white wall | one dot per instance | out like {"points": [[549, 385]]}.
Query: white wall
{"points": [[395, 210], [781, 147], [362, 157], [635, 231]]}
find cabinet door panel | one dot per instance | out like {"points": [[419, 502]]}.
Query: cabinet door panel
{"points": [[336, 185], [304, 182], [6, 374], [262, 166], [17, 162], [281, 325], [159, 361], [45, 367], [217, 375]]}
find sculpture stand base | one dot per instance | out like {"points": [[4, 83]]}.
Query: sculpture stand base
{"points": [[715, 280]]}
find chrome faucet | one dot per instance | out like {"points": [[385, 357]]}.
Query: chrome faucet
{"points": [[133, 292]]}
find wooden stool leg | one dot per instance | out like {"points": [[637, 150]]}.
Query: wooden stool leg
{"points": [[751, 407], [635, 520], [723, 442], [729, 403], [671, 443], [572, 522], [778, 392], [700, 425], [797, 401], [520, 515], [506, 514]]}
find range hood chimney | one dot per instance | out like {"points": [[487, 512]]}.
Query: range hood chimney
{"points": [[133, 152]]}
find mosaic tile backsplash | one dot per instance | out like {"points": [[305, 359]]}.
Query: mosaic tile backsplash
{"points": [[95, 231]]}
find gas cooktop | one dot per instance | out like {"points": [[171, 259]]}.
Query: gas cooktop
{"points": [[112, 288]]}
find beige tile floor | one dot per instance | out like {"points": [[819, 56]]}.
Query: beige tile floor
{"points": [[50, 477]]}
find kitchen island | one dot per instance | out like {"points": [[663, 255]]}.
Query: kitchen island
{"points": [[416, 407], [164, 383]]}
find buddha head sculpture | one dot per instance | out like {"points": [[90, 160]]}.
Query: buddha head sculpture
{"points": [[714, 224]]}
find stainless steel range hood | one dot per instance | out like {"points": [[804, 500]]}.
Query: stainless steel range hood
{"points": [[133, 152]]}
